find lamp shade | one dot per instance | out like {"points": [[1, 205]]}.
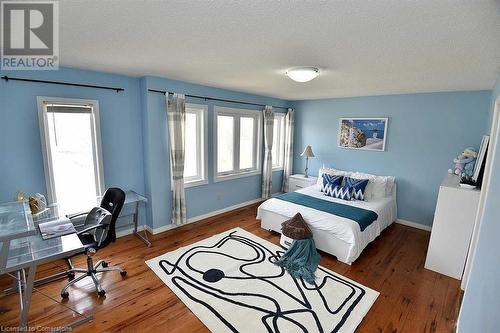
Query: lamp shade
{"points": [[308, 152]]}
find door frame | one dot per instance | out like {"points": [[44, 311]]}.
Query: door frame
{"points": [[492, 147]]}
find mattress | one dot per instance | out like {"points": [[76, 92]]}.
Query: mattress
{"points": [[336, 226]]}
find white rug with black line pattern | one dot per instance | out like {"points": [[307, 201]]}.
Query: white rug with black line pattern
{"points": [[230, 283]]}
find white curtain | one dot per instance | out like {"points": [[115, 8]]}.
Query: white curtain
{"points": [[288, 156], [267, 169], [176, 112]]}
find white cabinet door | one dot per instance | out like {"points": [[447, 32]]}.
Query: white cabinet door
{"points": [[451, 231]]}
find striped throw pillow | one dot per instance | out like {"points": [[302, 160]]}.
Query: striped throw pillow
{"points": [[358, 187], [339, 192], [330, 181]]}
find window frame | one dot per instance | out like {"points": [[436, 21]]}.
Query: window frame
{"points": [[237, 114], [281, 141], [202, 143], [43, 102]]}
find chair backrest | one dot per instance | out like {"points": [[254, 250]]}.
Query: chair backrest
{"points": [[98, 216], [112, 201]]}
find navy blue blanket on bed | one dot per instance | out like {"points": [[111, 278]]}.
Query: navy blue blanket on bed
{"points": [[362, 216]]}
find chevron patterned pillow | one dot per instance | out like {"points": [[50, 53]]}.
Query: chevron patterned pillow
{"points": [[358, 187], [330, 181], [339, 192]]}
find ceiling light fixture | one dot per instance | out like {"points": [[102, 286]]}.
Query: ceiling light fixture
{"points": [[302, 74]]}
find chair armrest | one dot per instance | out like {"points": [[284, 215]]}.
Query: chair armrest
{"points": [[92, 227], [72, 216]]}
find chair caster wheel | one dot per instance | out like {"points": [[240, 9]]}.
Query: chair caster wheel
{"points": [[101, 293], [124, 273], [71, 277], [65, 295], [104, 264]]}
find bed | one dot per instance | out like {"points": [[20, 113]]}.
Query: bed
{"points": [[333, 234]]}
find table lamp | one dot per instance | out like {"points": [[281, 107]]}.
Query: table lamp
{"points": [[307, 153]]}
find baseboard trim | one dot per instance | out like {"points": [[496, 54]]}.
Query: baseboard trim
{"points": [[414, 225], [155, 231], [167, 227]]}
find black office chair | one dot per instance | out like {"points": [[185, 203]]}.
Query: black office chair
{"points": [[98, 232]]}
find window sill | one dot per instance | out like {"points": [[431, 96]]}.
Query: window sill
{"points": [[278, 168], [236, 176], [195, 183]]}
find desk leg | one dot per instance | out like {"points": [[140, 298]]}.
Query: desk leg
{"points": [[136, 221], [19, 284], [25, 300], [39, 282], [4, 253], [28, 290]]}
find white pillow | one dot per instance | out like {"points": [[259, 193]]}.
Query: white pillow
{"points": [[390, 185], [376, 187], [331, 171], [381, 186]]}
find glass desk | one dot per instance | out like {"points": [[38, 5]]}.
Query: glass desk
{"points": [[24, 249], [34, 249], [15, 222], [132, 199]]}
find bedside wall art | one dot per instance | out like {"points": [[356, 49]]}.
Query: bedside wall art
{"points": [[363, 133]]}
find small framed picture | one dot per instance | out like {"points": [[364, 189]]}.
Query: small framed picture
{"points": [[363, 133]]}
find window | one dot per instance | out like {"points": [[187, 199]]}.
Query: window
{"points": [[195, 157], [71, 147], [278, 140], [237, 143]]}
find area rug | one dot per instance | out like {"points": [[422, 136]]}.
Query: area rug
{"points": [[230, 283]]}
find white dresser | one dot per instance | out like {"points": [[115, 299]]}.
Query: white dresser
{"points": [[452, 228], [299, 181]]}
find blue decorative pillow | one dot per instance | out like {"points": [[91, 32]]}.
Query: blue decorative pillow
{"points": [[339, 192], [330, 181], [358, 187]]}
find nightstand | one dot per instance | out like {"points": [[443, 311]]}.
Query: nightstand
{"points": [[299, 181]]}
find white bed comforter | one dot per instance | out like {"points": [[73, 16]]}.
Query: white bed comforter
{"points": [[340, 227]]}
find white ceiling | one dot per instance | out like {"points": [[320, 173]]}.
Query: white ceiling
{"points": [[362, 47]]}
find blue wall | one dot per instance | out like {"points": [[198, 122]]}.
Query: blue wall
{"points": [[425, 133], [134, 139], [481, 303], [21, 162], [200, 199]]}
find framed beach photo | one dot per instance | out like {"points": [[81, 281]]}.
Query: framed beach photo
{"points": [[363, 133]]}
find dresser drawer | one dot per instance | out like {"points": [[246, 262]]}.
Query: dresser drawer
{"points": [[298, 182], [294, 186]]}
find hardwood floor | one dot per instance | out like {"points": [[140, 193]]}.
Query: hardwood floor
{"points": [[412, 299]]}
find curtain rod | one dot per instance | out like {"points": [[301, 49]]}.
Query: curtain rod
{"points": [[218, 99], [7, 78]]}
